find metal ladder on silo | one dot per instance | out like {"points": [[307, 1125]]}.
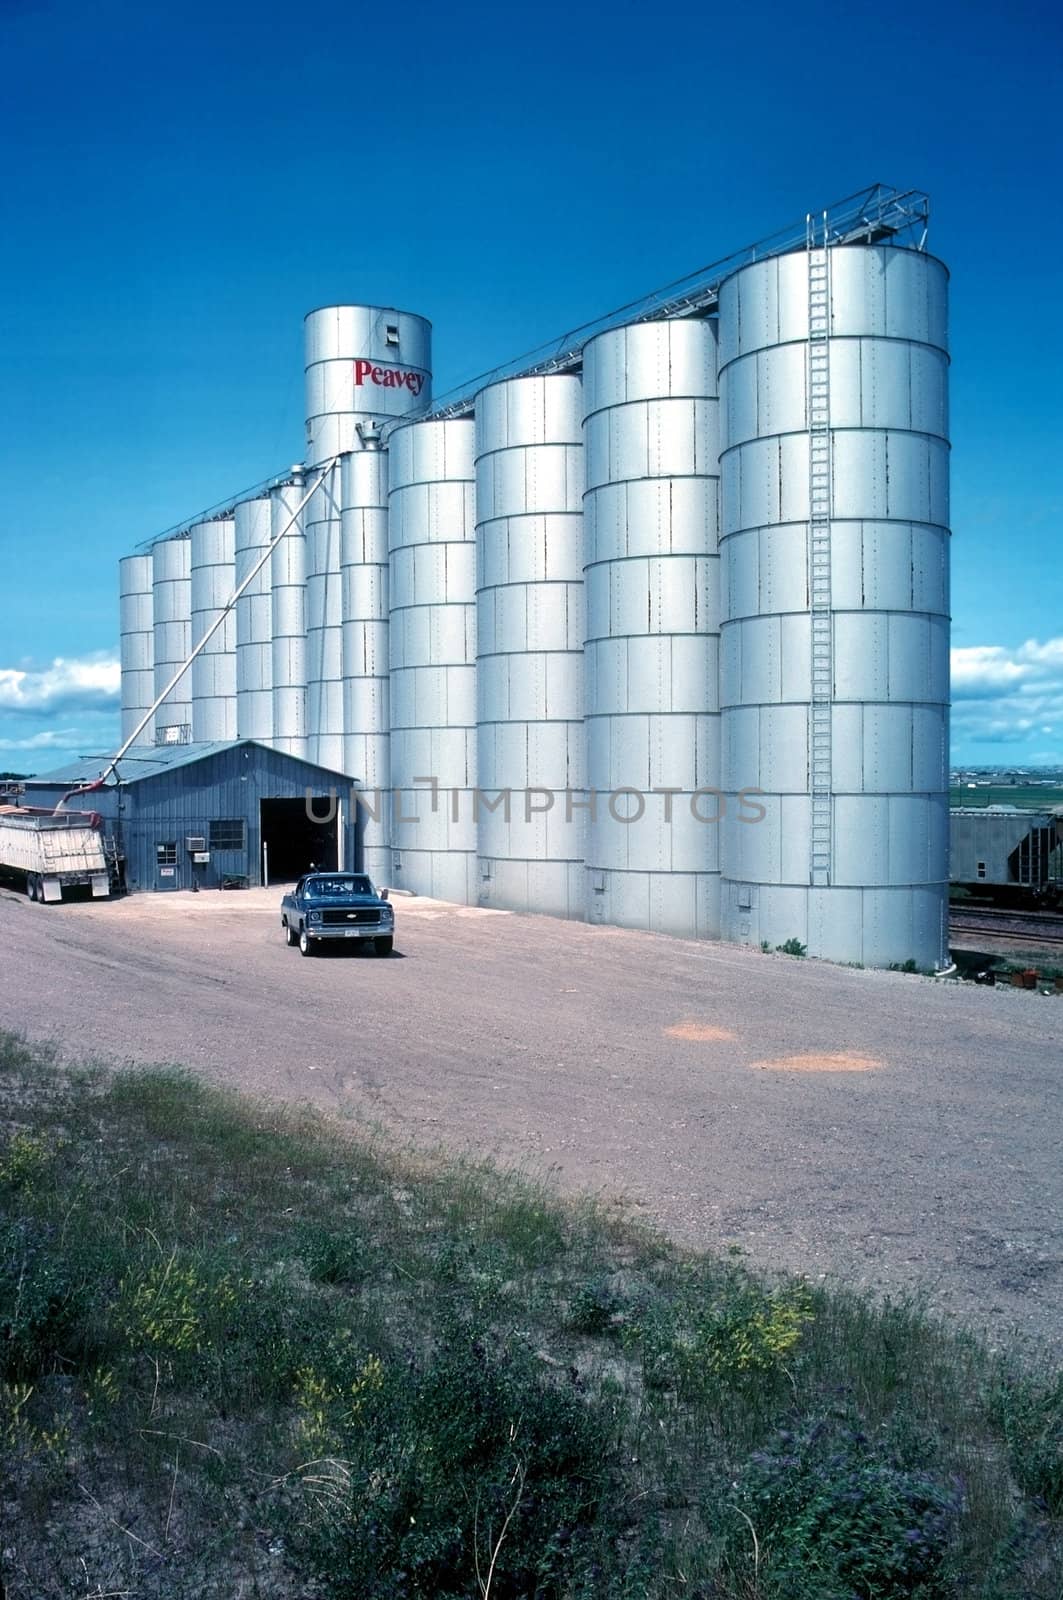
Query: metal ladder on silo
{"points": [[819, 561]]}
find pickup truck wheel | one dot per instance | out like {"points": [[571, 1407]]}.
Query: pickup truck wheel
{"points": [[305, 947], [384, 946], [289, 935]]}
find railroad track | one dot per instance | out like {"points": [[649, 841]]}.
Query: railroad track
{"points": [[1037, 927]]}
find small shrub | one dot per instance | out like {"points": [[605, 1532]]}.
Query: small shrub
{"points": [[101, 1389], [911, 965], [336, 1258], [20, 1434], [170, 1305], [40, 1302], [592, 1308], [834, 1516], [792, 947], [24, 1162], [1030, 1414], [750, 1334], [328, 1409], [737, 1333], [477, 1457]]}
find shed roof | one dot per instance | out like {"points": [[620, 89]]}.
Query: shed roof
{"points": [[147, 761]]}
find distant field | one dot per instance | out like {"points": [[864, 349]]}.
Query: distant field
{"points": [[1029, 796]]}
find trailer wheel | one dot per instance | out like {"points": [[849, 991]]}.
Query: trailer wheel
{"points": [[31, 885]]}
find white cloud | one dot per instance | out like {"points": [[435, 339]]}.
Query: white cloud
{"points": [[69, 683], [1007, 696], [980, 671], [50, 739]]}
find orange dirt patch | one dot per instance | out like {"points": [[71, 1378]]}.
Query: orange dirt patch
{"points": [[699, 1033], [840, 1061]]}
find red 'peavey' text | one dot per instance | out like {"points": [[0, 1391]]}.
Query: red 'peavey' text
{"points": [[387, 377]]}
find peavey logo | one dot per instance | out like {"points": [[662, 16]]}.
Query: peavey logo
{"points": [[387, 377]]}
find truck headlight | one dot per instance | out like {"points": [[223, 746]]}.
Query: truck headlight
{"points": [[315, 916]]}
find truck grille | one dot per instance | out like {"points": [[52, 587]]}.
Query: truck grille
{"points": [[338, 918]]}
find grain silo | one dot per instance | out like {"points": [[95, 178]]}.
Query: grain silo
{"points": [[432, 537], [364, 573], [364, 365], [653, 608], [254, 622], [529, 652], [836, 631], [287, 568], [324, 624], [214, 669], [172, 623], [362, 362], [137, 645]]}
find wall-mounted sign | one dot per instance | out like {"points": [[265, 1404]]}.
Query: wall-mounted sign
{"points": [[387, 377]]}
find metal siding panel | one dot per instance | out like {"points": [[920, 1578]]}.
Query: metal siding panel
{"points": [[653, 604], [888, 599], [431, 533], [529, 471]]}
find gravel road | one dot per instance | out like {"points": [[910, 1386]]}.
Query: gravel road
{"points": [[890, 1131]]}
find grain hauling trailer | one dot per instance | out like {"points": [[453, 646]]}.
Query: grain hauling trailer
{"points": [[51, 852]]}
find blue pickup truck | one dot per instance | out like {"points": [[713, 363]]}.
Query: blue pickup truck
{"points": [[337, 905]]}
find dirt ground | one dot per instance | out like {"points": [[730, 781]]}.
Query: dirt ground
{"points": [[886, 1130]]}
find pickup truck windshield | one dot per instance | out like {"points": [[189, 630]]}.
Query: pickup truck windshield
{"points": [[337, 888]]}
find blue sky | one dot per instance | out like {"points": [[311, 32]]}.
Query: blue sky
{"points": [[186, 182]]}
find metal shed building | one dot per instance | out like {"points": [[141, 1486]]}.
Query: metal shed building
{"points": [[206, 813]]}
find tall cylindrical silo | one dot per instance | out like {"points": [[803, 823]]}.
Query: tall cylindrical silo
{"points": [[653, 617], [362, 363], [287, 567], [137, 644], [214, 669], [254, 622], [324, 625], [432, 646], [835, 643], [171, 565], [529, 631], [364, 574]]}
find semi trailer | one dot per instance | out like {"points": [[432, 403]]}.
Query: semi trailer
{"points": [[48, 852]]}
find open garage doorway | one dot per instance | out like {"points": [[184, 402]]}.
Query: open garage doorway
{"points": [[293, 842]]}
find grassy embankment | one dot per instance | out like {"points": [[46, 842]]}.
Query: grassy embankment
{"points": [[244, 1355]]}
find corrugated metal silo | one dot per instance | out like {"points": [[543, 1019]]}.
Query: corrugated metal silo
{"points": [[287, 566], [834, 379], [364, 571], [171, 564], [137, 644], [362, 362], [324, 625], [529, 630], [254, 623], [214, 669], [432, 645], [653, 610]]}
